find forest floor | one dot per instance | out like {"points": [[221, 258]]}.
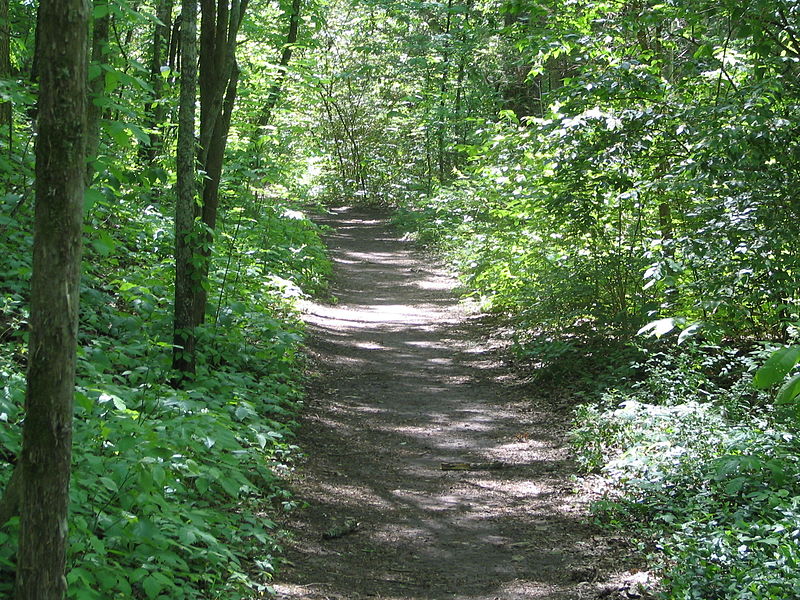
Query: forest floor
{"points": [[404, 379]]}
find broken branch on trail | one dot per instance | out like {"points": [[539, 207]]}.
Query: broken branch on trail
{"points": [[473, 466]]}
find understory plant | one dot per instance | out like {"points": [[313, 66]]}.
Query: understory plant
{"points": [[174, 491], [708, 472]]}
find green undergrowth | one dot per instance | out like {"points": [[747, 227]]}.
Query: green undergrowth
{"points": [[700, 464], [583, 239], [174, 492]]}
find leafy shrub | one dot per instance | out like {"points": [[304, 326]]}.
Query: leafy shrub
{"points": [[717, 494], [173, 491]]}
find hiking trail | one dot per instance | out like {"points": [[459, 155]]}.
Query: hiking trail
{"points": [[405, 380]]}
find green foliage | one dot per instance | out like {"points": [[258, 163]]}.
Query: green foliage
{"points": [[642, 178], [593, 170], [540, 234], [665, 151], [714, 487], [395, 87], [173, 491]]}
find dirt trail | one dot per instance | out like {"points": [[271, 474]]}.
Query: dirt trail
{"points": [[407, 380]]}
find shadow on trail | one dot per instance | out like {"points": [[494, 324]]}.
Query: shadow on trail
{"points": [[406, 382]]}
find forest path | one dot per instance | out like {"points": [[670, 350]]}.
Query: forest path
{"points": [[405, 380]]}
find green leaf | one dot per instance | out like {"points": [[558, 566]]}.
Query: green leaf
{"points": [[84, 401], [81, 575], [115, 400], [139, 134], [152, 586], [104, 244], [242, 412], [100, 10], [690, 331], [789, 391], [90, 197], [108, 581], [734, 486], [119, 133], [109, 484], [158, 474], [704, 50], [94, 71], [112, 80], [230, 486], [777, 367]]}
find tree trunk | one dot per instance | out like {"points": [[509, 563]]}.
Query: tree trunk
{"points": [[5, 60], [283, 67], [219, 28], [440, 134], [174, 61], [460, 125], [218, 84], [186, 282], [100, 31], [214, 164], [157, 111], [60, 170]]}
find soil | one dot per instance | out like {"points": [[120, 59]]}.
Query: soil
{"points": [[406, 378]]}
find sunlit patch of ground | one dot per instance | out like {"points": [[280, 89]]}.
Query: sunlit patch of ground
{"points": [[405, 382]]}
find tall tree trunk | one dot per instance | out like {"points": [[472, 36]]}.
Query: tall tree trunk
{"points": [[159, 57], [440, 134], [100, 31], [219, 28], [283, 68], [186, 281], [60, 170], [213, 170], [5, 62], [174, 61], [218, 85], [459, 123]]}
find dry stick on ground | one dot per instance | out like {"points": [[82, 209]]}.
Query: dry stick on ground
{"points": [[473, 466]]}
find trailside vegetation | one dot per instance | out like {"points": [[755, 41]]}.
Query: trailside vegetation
{"points": [[176, 472], [617, 179]]}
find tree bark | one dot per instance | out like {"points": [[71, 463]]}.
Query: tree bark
{"points": [[100, 31], [218, 85], [219, 28], [60, 171], [5, 60], [186, 281], [157, 111], [174, 62], [440, 134], [214, 164], [283, 67]]}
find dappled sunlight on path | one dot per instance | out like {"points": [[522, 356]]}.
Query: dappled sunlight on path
{"points": [[405, 383]]}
